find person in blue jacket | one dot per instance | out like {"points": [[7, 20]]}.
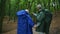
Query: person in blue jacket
{"points": [[25, 22]]}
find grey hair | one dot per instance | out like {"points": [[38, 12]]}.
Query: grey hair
{"points": [[27, 10], [39, 6]]}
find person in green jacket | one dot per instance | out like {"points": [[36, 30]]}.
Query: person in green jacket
{"points": [[44, 18]]}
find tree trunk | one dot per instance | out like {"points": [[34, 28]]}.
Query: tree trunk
{"points": [[2, 12], [49, 4]]}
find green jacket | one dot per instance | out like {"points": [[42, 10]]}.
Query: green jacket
{"points": [[40, 17], [41, 21]]}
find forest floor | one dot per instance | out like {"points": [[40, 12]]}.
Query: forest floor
{"points": [[14, 31], [10, 28]]}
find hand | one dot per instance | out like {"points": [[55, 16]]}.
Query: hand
{"points": [[35, 26]]}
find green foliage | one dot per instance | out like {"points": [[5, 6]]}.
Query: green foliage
{"points": [[13, 6]]}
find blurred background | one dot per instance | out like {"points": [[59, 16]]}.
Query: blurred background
{"points": [[8, 18]]}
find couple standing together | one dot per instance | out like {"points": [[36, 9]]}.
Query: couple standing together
{"points": [[25, 22]]}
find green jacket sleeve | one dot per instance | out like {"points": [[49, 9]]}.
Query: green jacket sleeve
{"points": [[40, 16]]}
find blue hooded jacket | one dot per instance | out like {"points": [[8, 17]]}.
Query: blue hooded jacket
{"points": [[25, 23]]}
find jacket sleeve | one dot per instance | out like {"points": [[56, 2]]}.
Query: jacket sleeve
{"points": [[40, 16], [30, 21]]}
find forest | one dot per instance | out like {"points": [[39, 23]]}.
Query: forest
{"points": [[8, 8]]}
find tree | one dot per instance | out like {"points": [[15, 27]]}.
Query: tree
{"points": [[2, 13]]}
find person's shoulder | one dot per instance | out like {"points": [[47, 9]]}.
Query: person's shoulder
{"points": [[20, 12], [46, 9]]}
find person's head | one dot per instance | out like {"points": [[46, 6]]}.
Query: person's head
{"points": [[39, 7], [27, 10]]}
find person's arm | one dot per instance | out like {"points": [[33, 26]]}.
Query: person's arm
{"points": [[30, 21], [40, 17], [34, 14]]}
